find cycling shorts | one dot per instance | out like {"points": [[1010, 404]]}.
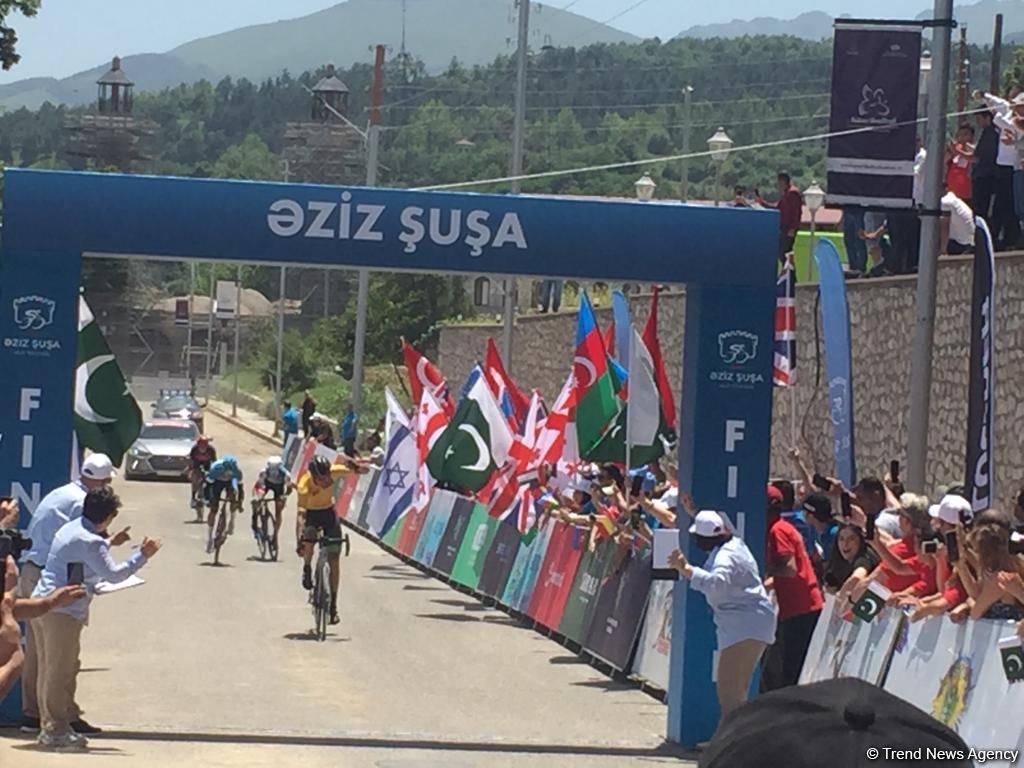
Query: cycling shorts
{"points": [[216, 488], [276, 488], [325, 520], [201, 466]]}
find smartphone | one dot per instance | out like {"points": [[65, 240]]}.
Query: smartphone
{"points": [[967, 518], [952, 546], [1016, 546], [869, 531], [76, 573], [844, 500], [638, 486], [6, 549], [820, 481], [930, 547], [894, 471], [636, 517]]}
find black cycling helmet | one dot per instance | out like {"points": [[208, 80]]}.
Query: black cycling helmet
{"points": [[320, 466]]}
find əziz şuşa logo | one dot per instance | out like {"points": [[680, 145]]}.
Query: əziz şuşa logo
{"points": [[737, 347], [33, 313]]}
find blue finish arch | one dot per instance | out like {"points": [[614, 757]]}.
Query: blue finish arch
{"points": [[725, 256]]}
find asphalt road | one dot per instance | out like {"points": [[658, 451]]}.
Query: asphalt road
{"points": [[214, 666]]}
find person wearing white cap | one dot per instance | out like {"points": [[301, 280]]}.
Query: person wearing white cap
{"points": [[744, 615], [57, 508]]}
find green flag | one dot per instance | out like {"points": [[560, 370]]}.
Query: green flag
{"points": [[107, 418], [871, 602], [474, 444]]}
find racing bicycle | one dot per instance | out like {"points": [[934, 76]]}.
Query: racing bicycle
{"points": [[265, 517], [320, 595], [198, 501], [225, 524]]}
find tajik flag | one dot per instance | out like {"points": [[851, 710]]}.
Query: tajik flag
{"points": [[640, 433], [431, 421], [596, 401], [424, 376], [107, 418], [475, 445], [396, 487]]}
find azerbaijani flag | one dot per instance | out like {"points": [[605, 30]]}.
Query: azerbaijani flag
{"points": [[596, 400]]}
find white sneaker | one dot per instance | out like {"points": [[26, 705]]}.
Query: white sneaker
{"points": [[68, 742]]}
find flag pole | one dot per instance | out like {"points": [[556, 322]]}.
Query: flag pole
{"points": [[792, 416]]}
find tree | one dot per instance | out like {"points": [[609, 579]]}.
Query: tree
{"points": [[8, 37], [252, 159]]}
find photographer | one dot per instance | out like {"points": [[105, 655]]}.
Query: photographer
{"points": [[80, 546], [57, 508]]}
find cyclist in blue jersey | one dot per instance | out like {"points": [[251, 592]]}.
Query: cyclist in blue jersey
{"points": [[274, 478], [224, 475]]}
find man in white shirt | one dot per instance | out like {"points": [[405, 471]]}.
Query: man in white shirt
{"points": [[958, 229], [905, 226], [1005, 224]]}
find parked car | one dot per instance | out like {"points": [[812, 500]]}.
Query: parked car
{"points": [[162, 450], [178, 404]]}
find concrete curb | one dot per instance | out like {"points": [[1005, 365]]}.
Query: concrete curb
{"points": [[236, 422]]}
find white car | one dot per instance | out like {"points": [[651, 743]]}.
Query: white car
{"points": [[162, 450]]}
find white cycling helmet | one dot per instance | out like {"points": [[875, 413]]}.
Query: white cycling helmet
{"points": [[274, 461]]}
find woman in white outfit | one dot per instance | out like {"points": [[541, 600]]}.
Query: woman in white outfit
{"points": [[744, 615]]}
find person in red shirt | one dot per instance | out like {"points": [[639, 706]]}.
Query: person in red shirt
{"points": [[905, 570], [791, 576], [791, 208], [959, 157]]}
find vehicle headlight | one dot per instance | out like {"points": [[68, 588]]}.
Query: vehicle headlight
{"points": [[141, 451]]}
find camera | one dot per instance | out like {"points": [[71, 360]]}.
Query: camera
{"points": [[14, 543], [1016, 546]]}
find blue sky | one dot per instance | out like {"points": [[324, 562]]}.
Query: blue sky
{"points": [[69, 36]]}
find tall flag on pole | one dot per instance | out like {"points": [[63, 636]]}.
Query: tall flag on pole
{"points": [[622, 330], [509, 396], [423, 374], [107, 418], [396, 488], [431, 421], [650, 338], [513, 495], [475, 444], [785, 326], [596, 400], [981, 395]]}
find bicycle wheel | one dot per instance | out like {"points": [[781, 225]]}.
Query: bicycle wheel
{"points": [[270, 536], [345, 542], [221, 535], [321, 601], [261, 530]]}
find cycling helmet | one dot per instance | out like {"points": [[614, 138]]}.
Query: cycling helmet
{"points": [[320, 467], [231, 461], [274, 462], [203, 441]]}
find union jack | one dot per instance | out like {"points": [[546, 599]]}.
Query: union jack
{"points": [[784, 374]]}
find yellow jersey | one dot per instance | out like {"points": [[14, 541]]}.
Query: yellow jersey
{"points": [[313, 496]]}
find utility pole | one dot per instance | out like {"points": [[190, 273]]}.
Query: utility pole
{"points": [[286, 171], [363, 294], [962, 86], [209, 330], [927, 276], [684, 171], [238, 326], [518, 142], [997, 51], [191, 312]]}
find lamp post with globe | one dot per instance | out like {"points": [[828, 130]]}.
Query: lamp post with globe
{"points": [[719, 146], [814, 199]]}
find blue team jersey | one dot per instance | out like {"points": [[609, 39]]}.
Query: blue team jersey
{"points": [[222, 472], [275, 476]]}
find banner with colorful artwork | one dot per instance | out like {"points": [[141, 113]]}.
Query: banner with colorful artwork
{"points": [[455, 532], [364, 509], [469, 564], [438, 513], [556, 575], [579, 609], [412, 529], [654, 650], [845, 646], [526, 569], [501, 557], [620, 608]]}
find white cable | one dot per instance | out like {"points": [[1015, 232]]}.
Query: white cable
{"points": [[673, 158]]}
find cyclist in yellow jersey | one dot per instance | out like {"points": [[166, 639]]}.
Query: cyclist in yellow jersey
{"points": [[315, 489]]}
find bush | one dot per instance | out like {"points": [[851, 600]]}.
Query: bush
{"points": [[298, 362]]}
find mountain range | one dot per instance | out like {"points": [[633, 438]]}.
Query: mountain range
{"points": [[436, 31]]}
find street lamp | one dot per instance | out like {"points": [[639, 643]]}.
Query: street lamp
{"points": [[645, 187], [814, 198], [925, 71], [719, 146]]}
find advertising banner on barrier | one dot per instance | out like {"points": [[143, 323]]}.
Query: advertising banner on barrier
{"points": [[290, 453], [394, 534], [364, 508], [412, 529], [620, 609], [875, 80], [579, 609], [346, 490], [955, 673], [501, 557], [654, 650], [845, 646], [458, 523], [523, 578], [438, 513], [556, 575], [302, 458], [469, 564], [981, 392]]}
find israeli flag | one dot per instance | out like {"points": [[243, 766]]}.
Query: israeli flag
{"points": [[397, 484]]}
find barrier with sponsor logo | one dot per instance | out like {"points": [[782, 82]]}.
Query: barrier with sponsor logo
{"points": [[434, 526], [469, 564], [653, 652], [590, 574], [556, 576], [620, 608], [501, 557]]}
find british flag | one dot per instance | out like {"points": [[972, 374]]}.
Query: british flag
{"points": [[784, 374]]}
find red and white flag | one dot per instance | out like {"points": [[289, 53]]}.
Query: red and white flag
{"points": [[424, 376], [431, 420], [505, 391], [511, 493]]}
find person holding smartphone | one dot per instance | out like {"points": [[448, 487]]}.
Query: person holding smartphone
{"points": [[82, 547]]}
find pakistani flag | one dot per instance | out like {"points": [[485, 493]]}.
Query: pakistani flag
{"points": [[1012, 654], [107, 418], [640, 433], [872, 602], [474, 445]]}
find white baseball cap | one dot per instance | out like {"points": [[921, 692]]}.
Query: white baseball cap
{"points": [[274, 461], [709, 523], [98, 467], [950, 508]]}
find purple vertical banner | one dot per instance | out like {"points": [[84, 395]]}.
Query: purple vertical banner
{"points": [[875, 82], [981, 390]]}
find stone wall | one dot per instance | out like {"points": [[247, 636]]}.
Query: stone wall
{"points": [[882, 321]]}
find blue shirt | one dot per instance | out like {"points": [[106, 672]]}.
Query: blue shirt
{"points": [[731, 583], [222, 472], [290, 421], [828, 540], [807, 533], [59, 507], [348, 426], [79, 542]]}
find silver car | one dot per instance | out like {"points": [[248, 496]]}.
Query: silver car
{"points": [[162, 450]]}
